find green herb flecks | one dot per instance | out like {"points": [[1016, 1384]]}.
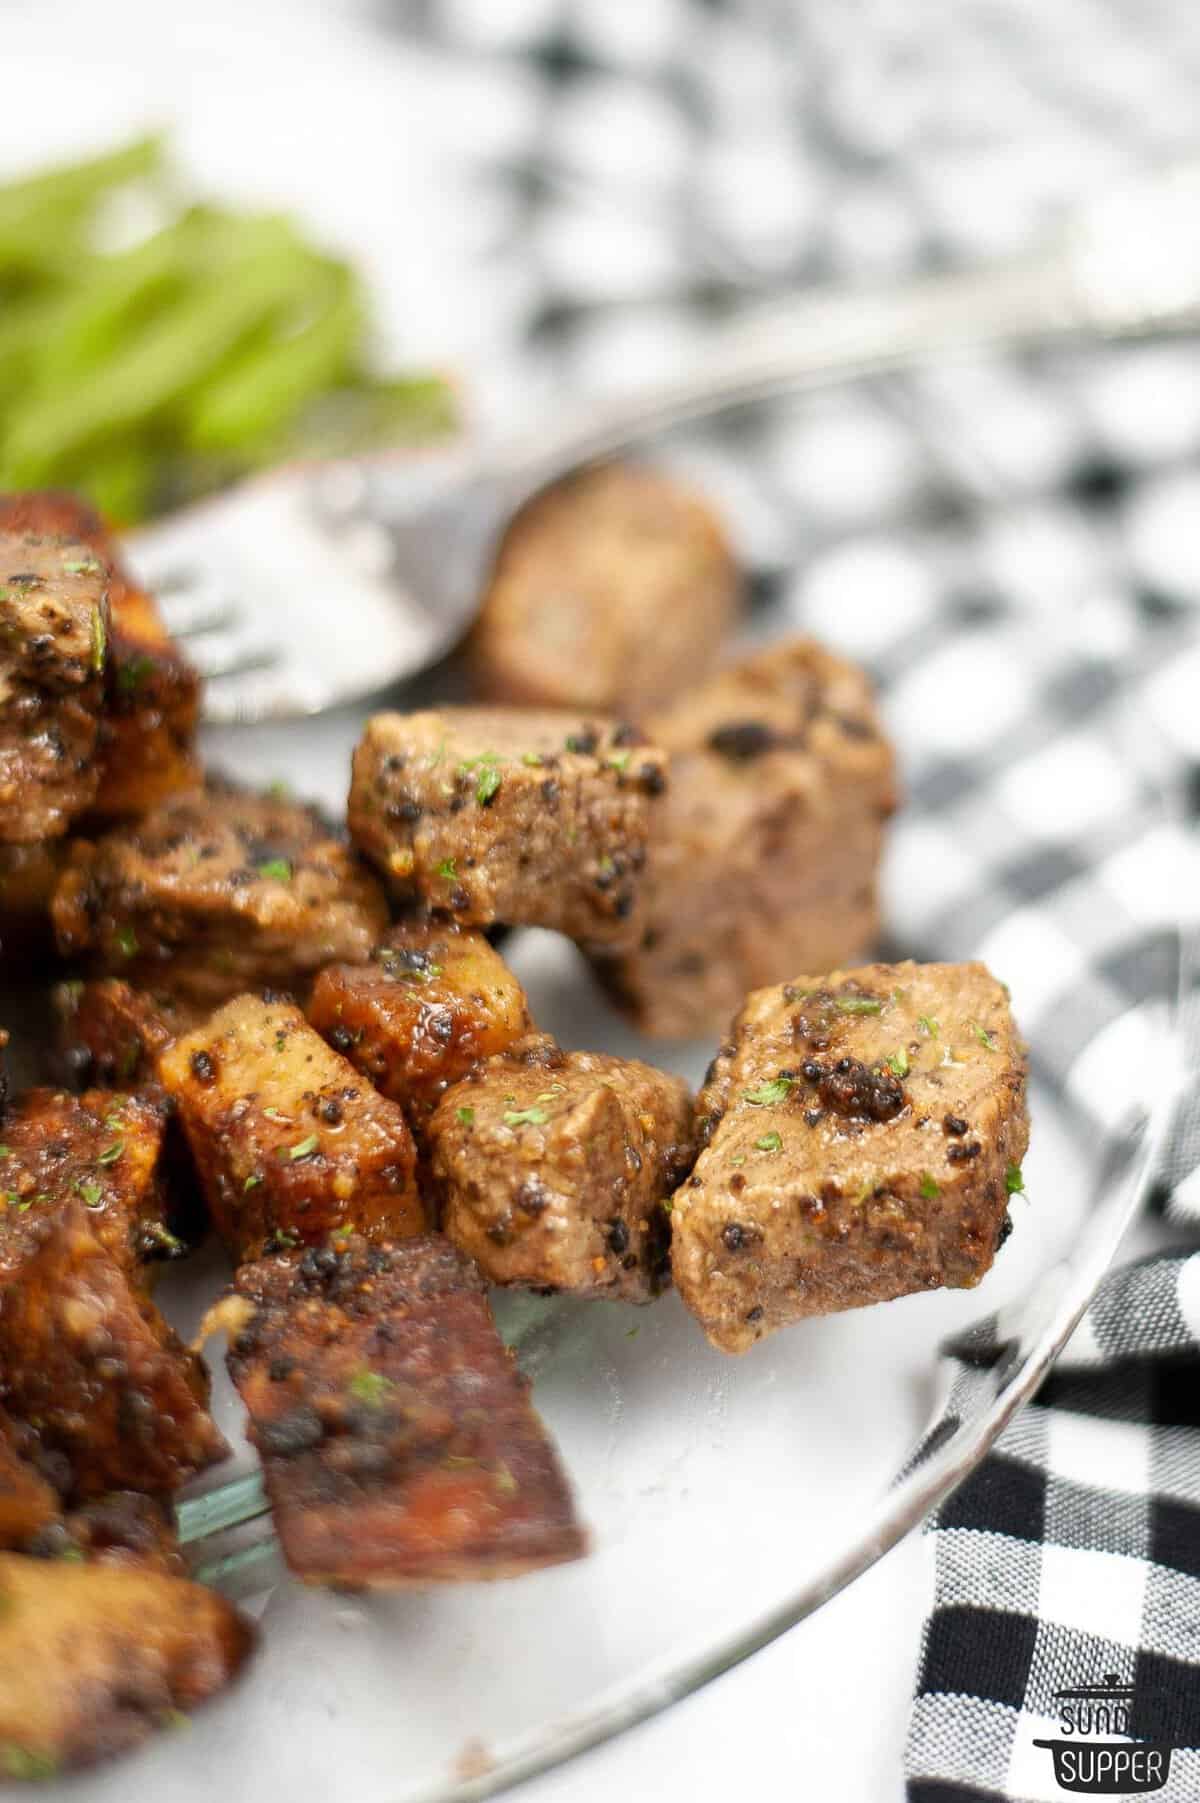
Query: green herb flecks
{"points": [[929, 1024], [525, 1117], [370, 1387], [111, 1153], [1014, 1180], [303, 1148], [858, 1004], [92, 1194], [769, 1095], [770, 1142], [99, 640], [448, 870], [929, 1187], [466, 1116], [897, 1061], [126, 942], [276, 870]]}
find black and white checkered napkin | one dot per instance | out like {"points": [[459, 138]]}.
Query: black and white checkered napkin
{"points": [[1013, 547]]}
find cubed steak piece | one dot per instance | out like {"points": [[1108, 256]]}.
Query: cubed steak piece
{"points": [[152, 700], [87, 1360], [435, 999], [94, 1659], [398, 1442], [104, 1150], [291, 1143], [553, 1168], [863, 1134], [28, 1504], [492, 814], [765, 861], [111, 1034], [612, 589], [215, 893], [54, 621]]}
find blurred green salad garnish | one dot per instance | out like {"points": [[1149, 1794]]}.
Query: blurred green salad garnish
{"points": [[221, 343]]}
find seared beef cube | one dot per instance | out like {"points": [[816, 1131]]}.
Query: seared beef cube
{"points": [[864, 1131], [533, 819], [215, 893], [152, 700], [766, 859], [612, 589], [553, 1168], [434, 1000], [398, 1442], [111, 1034], [54, 622], [290, 1142], [27, 1502], [103, 1150], [94, 1660], [87, 1360]]}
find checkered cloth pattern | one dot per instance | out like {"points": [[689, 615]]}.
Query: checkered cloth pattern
{"points": [[1012, 546]]}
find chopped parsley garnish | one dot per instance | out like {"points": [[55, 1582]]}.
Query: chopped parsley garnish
{"points": [[5, 1151], [26, 1763], [983, 1036], [279, 790], [111, 1153], [466, 1116], [304, 1148], [154, 1234], [81, 566], [898, 1061], [282, 1240], [99, 640], [858, 1004], [1014, 1180], [370, 1387], [447, 869], [273, 1114], [132, 675], [929, 1023], [488, 785], [127, 941], [504, 1480], [522, 1117], [252, 1182], [770, 1142], [533, 759], [929, 1187], [277, 870], [619, 760], [769, 1095]]}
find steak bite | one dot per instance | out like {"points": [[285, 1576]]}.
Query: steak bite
{"points": [[215, 893], [532, 819], [765, 861], [290, 1142], [94, 1659], [553, 1168], [612, 589], [87, 1360], [433, 1001], [54, 621], [102, 1150], [111, 1034], [398, 1441], [863, 1133], [152, 699]]}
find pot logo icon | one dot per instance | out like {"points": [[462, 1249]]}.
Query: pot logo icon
{"points": [[1087, 1760]]}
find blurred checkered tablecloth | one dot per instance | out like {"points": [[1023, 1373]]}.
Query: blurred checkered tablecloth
{"points": [[633, 172]]}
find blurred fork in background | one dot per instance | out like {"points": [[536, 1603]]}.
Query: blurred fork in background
{"points": [[320, 584]]}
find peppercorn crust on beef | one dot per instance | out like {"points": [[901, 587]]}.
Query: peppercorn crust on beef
{"points": [[613, 589], [152, 693], [765, 859], [397, 1438], [103, 1150], [87, 1360], [532, 819], [552, 1168], [863, 1132], [433, 1001], [290, 1142], [215, 893], [94, 1659], [54, 623]]}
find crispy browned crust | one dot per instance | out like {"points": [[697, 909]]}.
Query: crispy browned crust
{"points": [[215, 893], [860, 1129], [94, 1659], [111, 1034], [766, 857], [54, 632], [104, 1150], [552, 1168], [87, 1360], [433, 1001], [27, 1502], [290, 1142], [152, 699], [493, 814], [614, 589], [399, 1445]]}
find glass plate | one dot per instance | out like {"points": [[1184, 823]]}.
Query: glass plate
{"points": [[726, 1498]]}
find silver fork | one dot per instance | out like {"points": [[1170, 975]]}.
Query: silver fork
{"points": [[319, 584]]}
